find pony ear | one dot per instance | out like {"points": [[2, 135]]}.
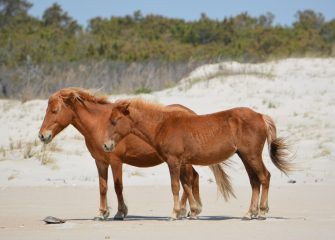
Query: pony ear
{"points": [[123, 108]]}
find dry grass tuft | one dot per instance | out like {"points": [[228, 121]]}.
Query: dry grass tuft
{"points": [[44, 156], [3, 152], [28, 151], [15, 145]]}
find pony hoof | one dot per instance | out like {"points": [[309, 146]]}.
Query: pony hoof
{"points": [[193, 217], [261, 217], [199, 210], [120, 215], [183, 213], [246, 218], [102, 216], [196, 211], [125, 211], [118, 218], [249, 216], [262, 213], [175, 215]]}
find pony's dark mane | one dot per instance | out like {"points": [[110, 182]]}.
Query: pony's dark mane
{"points": [[80, 94]]}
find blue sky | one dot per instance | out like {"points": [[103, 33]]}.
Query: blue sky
{"points": [[284, 10]]}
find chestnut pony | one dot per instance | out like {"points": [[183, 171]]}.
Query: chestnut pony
{"points": [[203, 140], [87, 113]]}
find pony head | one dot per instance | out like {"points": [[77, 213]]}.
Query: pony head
{"points": [[60, 110], [58, 115], [118, 126]]}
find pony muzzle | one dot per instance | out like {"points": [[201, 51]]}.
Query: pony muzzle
{"points": [[45, 136], [109, 146]]}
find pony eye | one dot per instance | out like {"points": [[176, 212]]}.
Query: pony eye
{"points": [[54, 111], [113, 121]]}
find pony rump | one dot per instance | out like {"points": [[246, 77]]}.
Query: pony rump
{"points": [[278, 148]]}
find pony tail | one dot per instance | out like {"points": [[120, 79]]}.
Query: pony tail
{"points": [[222, 181], [278, 148]]}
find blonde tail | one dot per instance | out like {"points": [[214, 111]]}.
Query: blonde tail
{"points": [[278, 148], [222, 181]]}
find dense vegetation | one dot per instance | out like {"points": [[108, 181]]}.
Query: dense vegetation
{"points": [[57, 39]]}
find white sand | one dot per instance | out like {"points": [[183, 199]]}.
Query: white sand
{"points": [[296, 212], [299, 94]]}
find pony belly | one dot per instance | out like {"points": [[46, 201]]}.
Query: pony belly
{"points": [[209, 157], [138, 153], [142, 160]]}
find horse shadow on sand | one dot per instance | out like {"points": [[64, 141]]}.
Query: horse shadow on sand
{"points": [[164, 218]]}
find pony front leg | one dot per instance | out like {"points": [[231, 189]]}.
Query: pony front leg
{"points": [[183, 201], [174, 168], [184, 197], [122, 209], [103, 186]]}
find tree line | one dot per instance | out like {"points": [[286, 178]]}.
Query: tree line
{"points": [[57, 37], [137, 53]]}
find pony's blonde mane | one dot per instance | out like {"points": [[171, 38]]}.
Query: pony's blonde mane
{"points": [[152, 110], [146, 105], [81, 95]]}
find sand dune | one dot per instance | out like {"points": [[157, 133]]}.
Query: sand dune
{"points": [[299, 94]]}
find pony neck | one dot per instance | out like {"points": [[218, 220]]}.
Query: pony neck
{"points": [[86, 117], [144, 126]]}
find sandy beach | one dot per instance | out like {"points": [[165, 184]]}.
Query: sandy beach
{"points": [[296, 212]]}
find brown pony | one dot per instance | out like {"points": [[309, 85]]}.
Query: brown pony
{"points": [[203, 140], [88, 113]]}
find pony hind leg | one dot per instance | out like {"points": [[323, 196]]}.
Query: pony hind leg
{"points": [[252, 213], [264, 178], [196, 189], [183, 201], [187, 178], [253, 208]]}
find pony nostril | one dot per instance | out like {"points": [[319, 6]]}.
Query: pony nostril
{"points": [[109, 146], [45, 137], [41, 136]]}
